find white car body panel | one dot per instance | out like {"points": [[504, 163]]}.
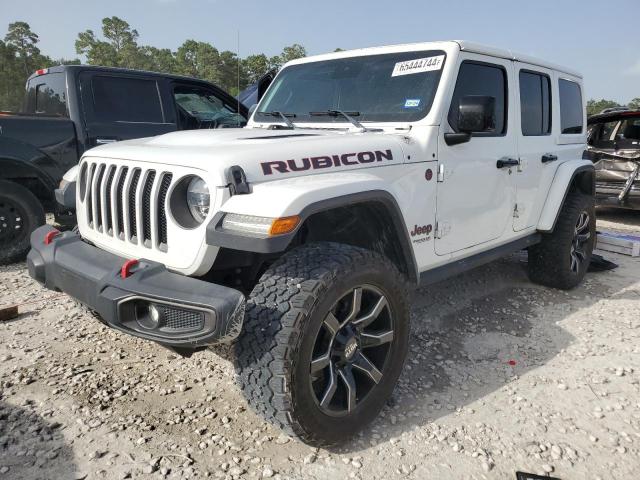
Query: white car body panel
{"points": [[557, 192]]}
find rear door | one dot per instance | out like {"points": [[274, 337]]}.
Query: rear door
{"points": [[537, 149], [123, 107], [475, 198]]}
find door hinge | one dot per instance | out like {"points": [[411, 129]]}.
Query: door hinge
{"points": [[518, 210], [441, 172], [442, 229]]}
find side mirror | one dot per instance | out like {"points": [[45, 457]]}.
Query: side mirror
{"points": [[476, 114], [265, 81]]}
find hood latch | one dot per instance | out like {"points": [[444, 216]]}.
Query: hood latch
{"points": [[237, 181]]}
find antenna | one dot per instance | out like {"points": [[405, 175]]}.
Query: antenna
{"points": [[238, 62]]}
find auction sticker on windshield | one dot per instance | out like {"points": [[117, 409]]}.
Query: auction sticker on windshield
{"points": [[419, 65]]}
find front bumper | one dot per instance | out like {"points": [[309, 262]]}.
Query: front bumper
{"points": [[189, 313]]}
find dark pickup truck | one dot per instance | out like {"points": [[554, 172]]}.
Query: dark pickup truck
{"points": [[70, 109]]}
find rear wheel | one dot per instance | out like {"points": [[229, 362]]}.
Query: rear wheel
{"points": [[20, 214], [562, 258], [324, 340]]}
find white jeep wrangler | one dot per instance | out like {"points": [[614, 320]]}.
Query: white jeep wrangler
{"points": [[361, 175]]}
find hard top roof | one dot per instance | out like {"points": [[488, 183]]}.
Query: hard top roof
{"points": [[463, 45]]}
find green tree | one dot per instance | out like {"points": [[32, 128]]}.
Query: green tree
{"points": [[19, 58], [596, 106], [119, 49], [255, 66], [230, 73], [197, 59], [289, 53], [634, 104], [23, 40]]}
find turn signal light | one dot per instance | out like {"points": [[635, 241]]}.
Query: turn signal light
{"points": [[284, 225]]}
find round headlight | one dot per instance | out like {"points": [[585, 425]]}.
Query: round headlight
{"points": [[198, 199]]}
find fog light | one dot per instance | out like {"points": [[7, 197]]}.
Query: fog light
{"points": [[148, 315], [154, 315]]}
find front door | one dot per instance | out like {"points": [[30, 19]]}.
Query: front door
{"points": [[475, 198]]}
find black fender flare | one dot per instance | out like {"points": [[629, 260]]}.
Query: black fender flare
{"points": [[215, 236]]}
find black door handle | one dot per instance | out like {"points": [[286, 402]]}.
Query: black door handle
{"points": [[507, 162], [549, 157]]}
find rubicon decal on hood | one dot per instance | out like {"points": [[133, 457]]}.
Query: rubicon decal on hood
{"points": [[326, 161]]}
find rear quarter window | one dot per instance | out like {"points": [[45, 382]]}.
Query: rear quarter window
{"points": [[47, 94], [126, 100], [571, 112]]}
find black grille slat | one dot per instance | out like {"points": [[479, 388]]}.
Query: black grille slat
{"points": [[162, 208], [109, 226], [98, 215], [133, 224], [119, 203], [92, 171], [146, 205]]}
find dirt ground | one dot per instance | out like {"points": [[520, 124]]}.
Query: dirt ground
{"points": [[503, 375]]}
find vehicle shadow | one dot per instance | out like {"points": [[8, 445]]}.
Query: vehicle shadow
{"points": [[620, 216], [31, 448], [471, 335]]}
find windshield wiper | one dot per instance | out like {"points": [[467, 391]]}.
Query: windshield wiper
{"points": [[283, 116], [339, 113]]}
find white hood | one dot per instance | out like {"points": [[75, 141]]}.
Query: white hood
{"points": [[263, 154]]}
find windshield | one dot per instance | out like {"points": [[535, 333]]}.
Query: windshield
{"points": [[393, 87]]}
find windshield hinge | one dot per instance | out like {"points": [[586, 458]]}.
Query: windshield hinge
{"points": [[441, 172], [237, 181]]}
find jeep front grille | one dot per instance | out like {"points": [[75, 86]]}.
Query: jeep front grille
{"points": [[128, 204]]}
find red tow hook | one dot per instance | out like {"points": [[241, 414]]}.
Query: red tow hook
{"points": [[50, 235], [125, 270]]}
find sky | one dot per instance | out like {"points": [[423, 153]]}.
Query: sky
{"points": [[568, 32]]}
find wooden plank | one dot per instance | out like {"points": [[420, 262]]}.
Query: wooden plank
{"points": [[8, 312]]}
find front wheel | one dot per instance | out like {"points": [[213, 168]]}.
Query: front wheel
{"points": [[324, 340], [562, 258], [20, 214]]}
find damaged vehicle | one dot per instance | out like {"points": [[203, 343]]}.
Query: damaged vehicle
{"points": [[613, 146], [360, 176]]}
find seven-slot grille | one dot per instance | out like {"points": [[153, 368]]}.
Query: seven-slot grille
{"points": [[128, 203]]}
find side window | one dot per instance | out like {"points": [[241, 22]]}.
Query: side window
{"points": [[602, 135], [126, 100], [481, 79], [535, 103], [570, 107], [628, 135], [51, 94], [200, 108]]}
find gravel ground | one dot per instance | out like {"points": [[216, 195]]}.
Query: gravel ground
{"points": [[502, 376]]}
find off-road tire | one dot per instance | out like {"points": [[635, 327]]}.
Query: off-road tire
{"points": [[550, 260], [20, 208], [284, 314]]}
